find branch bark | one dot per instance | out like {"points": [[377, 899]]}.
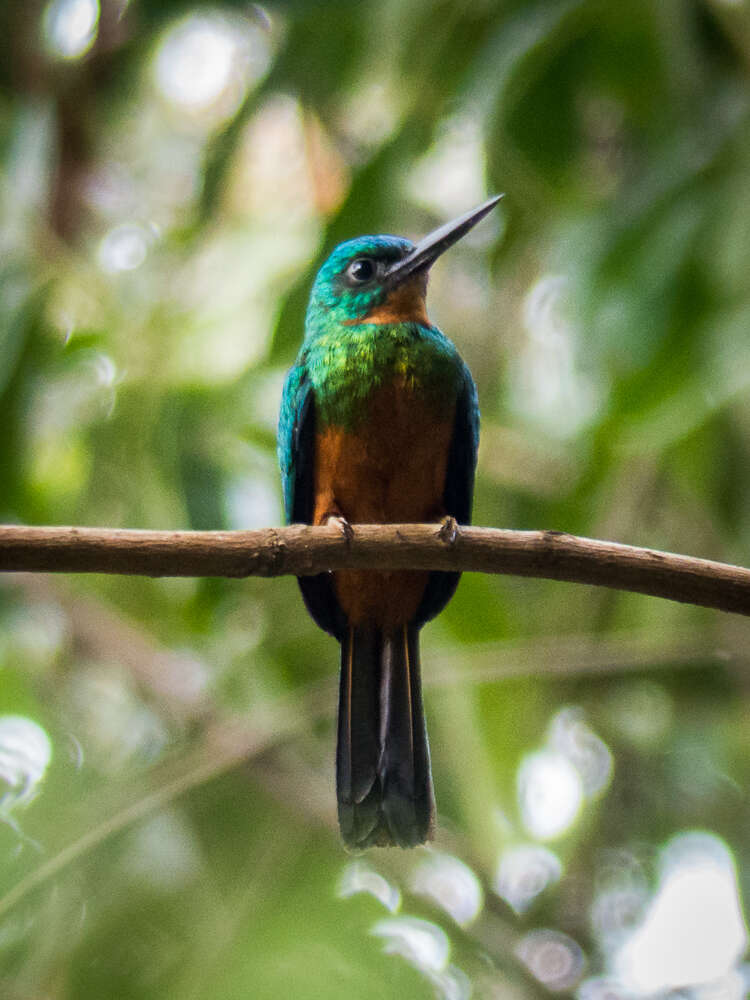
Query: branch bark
{"points": [[302, 550]]}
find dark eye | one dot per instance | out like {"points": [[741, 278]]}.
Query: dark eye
{"points": [[360, 270]]}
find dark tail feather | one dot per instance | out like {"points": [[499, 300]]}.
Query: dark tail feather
{"points": [[405, 778], [358, 748], [383, 778]]}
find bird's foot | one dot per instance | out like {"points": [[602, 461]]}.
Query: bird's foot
{"points": [[448, 529], [343, 525]]}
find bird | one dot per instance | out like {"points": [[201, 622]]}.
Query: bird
{"points": [[379, 423]]}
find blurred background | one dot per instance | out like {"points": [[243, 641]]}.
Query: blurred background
{"points": [[171, 176]]}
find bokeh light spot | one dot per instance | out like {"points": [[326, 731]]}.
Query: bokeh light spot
{"points": [[420, 942], [525, 871], [694, 931], [451, 984], [207, 62], [25, 754], [555, 959], [194, 63], [123, 248], [359, 877], [571, 736], [451, 884], [550, 793], [601, 988], [70, 27]]}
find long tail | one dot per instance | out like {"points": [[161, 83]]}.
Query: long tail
{"points": [[383, 778]]}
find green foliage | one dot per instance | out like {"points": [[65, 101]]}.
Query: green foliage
{"points": [[167, 198]]}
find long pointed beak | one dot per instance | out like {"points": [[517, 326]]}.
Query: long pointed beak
{"points": [[427, 251]]}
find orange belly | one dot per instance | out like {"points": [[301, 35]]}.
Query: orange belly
{"points": [[392, 469]]}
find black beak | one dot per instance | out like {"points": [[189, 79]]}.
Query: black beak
{"points": [[427, 251]]}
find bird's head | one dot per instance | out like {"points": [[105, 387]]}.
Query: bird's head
{"points": [[383, 279]]}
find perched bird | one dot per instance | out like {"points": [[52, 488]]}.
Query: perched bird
{"points": [[379, 423]]}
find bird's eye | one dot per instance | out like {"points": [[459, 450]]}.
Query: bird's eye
{"points": [[360, 270]]}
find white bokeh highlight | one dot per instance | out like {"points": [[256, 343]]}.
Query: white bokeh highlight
{"points": [[554, 782], [420, 942], [524, 872], [554, 958], [194, 64], [693, 931], [124, 248], [207, 62], [25, 755], [450, 884], [358, 877], [69, 27], [550, 794]]}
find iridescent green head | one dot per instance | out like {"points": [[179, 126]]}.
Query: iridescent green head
{"points": [[352, 282], [382, 279]]}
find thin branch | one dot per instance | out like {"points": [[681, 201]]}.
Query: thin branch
{"points": [[302, 550], [225, 746], [567, 657]]}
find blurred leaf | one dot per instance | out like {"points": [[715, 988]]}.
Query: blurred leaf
{"points": [[157, 253]]}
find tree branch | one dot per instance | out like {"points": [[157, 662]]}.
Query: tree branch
{"points": [[303, 550]]}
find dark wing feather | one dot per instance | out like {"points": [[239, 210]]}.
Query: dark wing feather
{"points": [[297, 461], [459, 491]]}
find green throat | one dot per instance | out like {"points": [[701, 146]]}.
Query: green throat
{"points": [[347, 363]]}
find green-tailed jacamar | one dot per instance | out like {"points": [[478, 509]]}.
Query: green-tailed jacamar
{"points": [[379, 424]]}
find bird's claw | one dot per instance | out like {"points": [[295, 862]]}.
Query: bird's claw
{"points": [[448, 529], [343, 525]]}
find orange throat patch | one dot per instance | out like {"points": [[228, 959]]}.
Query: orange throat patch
{"points": [[405, 304]]}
